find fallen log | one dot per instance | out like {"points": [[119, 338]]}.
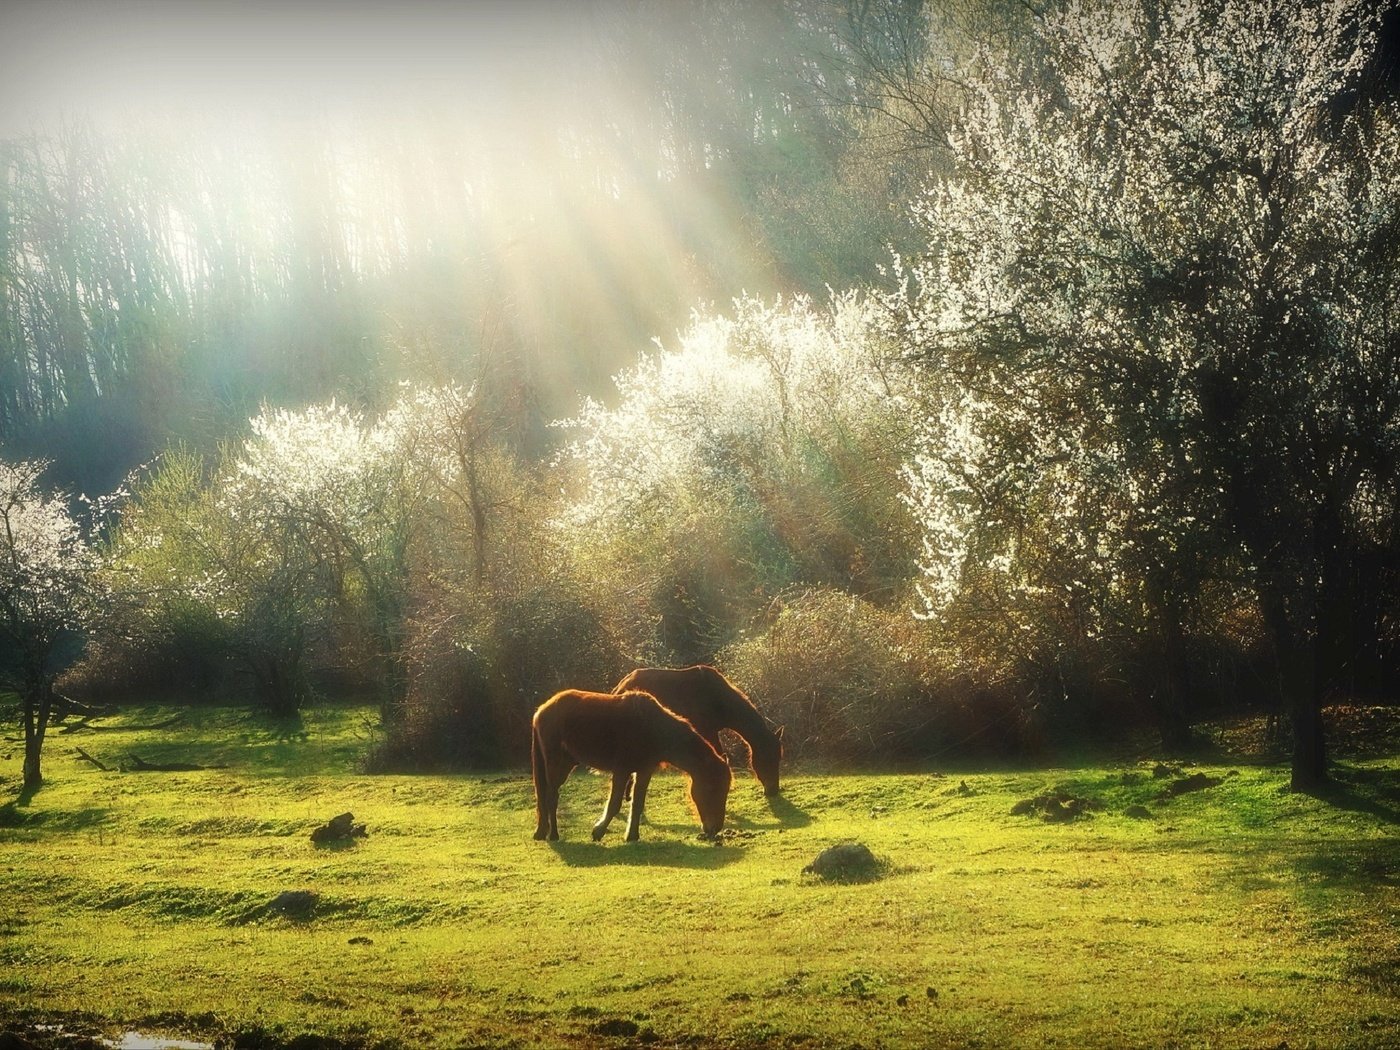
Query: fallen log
{"points": [[88, 758], [64, 706], [85, 724], [140, 765]]}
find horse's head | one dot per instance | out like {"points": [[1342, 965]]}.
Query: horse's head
{"points": [[767, 755], [709, 792]]}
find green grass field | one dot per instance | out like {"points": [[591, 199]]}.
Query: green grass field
{"points": [[1236, 916]]}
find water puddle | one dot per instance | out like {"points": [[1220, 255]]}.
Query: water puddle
{"points": [[126, 1041], [145, 1041]]}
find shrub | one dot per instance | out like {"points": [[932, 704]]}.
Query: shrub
{"points": [[852, 681]]}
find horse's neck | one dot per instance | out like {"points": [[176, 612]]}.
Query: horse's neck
{"points": [[744, 719], [688, 747]]}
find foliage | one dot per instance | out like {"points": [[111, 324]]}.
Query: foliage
{"points": [[1128, 422], [162, 276], [300, 539], [482, 656], [1153, 294]]}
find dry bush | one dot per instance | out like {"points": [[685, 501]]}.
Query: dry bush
{"points": [[855, 682]]}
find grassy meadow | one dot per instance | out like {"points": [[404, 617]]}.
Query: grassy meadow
{"points": [[1240, 915]]}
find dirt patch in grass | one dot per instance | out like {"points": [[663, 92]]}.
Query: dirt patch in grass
{"points": [[1056, 807], [1185, 785]]}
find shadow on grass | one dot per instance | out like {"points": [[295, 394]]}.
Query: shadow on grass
{"points": [[660, 853], [787, 816], [262, 727], [1371, 792], [1362, 866], [340, 845], [17, 815]]}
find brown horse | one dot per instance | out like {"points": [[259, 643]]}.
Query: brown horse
{"points": [[711, 702], [624, 734]]}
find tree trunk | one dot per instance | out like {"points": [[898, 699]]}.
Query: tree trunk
{"points": [[1295, 644], [38, 703], [1309, 742], [33, 776], [1167, 667], [279, 680]]}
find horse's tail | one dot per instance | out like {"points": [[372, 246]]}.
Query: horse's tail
{"points": [[538, 770], [537, 764]]}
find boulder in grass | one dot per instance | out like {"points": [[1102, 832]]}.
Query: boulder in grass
{"points": [[846, 862]]}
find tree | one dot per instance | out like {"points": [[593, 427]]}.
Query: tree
{"points": [[1165, 274], [305, 536], [48, 596]]}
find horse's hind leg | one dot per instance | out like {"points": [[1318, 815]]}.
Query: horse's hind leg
{"points": [[557, 764], [639, 799], [627, 797], [619, 786]]}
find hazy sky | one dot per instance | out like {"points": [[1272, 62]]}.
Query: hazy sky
{"points": [[111, 57]]}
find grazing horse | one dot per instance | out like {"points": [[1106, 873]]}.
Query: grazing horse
{"points": [[624, 734], [711, 702]]}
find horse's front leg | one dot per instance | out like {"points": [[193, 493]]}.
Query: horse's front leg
{"points": [[619, 786], [639, 801]]}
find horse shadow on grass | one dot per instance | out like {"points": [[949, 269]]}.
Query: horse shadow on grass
{"points": [[651, 853], [789, 815], [785, 815]]}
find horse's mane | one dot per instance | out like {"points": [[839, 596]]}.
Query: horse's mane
{"points": [[677, 730], [748, 719]]}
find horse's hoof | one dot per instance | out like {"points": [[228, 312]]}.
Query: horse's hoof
{"points": [[598, 834], [539, 834], [634, 837], [554, 836]]}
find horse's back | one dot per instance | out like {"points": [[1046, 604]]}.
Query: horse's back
{"points": [[602, 730], [700, 693]]}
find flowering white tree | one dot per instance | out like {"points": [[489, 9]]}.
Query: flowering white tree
{"points": [[48, 596], [1162, 295], [760, 452], [311, 515], [752, 385]]}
